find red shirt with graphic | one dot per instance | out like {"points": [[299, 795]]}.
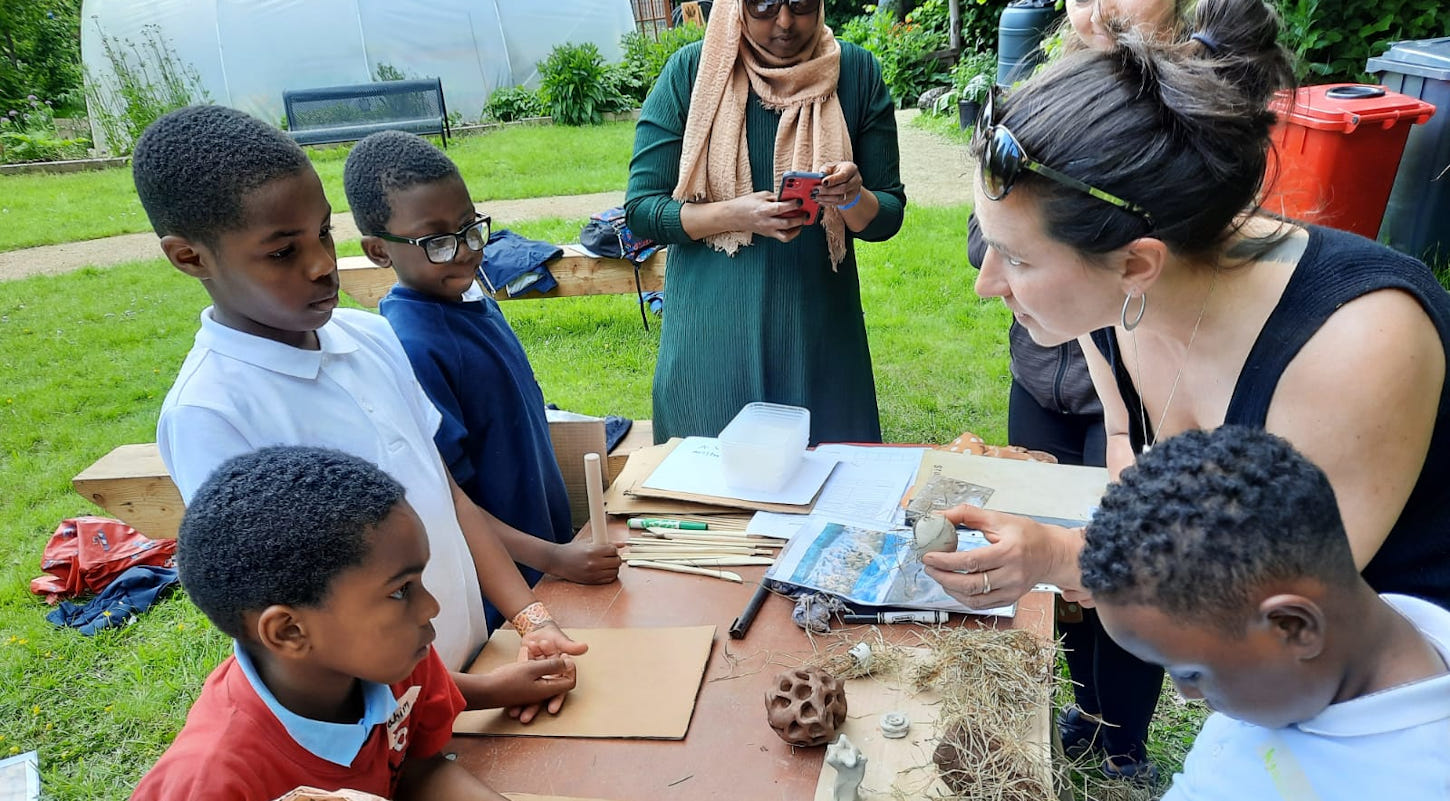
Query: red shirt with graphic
{"points": [[233, 748]]}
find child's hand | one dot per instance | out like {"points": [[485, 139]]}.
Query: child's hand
{"points": [[583, 562], [524, 686], [529, 682]]}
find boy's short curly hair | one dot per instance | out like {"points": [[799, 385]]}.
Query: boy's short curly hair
{"points": [[276, 526], [1204, 520], [195, 166], [389, 161]]}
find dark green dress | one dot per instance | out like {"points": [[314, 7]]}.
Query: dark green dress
{"points": [[774, 322]]}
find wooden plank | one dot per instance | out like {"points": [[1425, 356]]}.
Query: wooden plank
{"points": [[578, 274], [132, 485], [692, 14]]}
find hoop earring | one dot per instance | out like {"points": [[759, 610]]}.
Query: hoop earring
{"points": [[1142, 307]]}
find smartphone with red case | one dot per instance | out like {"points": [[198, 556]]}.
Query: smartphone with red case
{"points": [[802, 185]]}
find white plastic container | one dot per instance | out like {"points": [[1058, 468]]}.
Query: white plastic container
{"points": [[763, 446]]}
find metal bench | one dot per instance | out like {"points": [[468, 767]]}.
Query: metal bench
{"points": [[349, 113]]}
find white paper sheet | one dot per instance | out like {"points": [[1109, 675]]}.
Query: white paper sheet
{"points": [[694, 466], [866, 485]]}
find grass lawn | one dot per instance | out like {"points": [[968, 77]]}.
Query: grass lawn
{"points": [[86, 358], [514, 162]]}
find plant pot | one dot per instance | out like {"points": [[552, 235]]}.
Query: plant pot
{"points": [[967, 111]]}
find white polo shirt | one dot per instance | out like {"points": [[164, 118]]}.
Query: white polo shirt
{"points": [[237, 392], [1392, 745]]}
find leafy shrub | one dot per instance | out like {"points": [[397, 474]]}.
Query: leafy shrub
{"points": [[902, 48], [573, 84], [971, 78], [30, 135], [1334, 40], [513, 103], [644, 57]]}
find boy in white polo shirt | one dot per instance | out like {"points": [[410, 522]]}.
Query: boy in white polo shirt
{"points": [[239, 207], [1222, 557]]}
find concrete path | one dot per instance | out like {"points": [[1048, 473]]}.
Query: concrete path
{"points": [[936, 172]]}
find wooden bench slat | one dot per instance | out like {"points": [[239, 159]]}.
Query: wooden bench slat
{"points": [[132, 485], [578, 274]]}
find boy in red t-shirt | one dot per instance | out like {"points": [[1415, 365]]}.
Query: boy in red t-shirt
{"points": [[312, 561]]}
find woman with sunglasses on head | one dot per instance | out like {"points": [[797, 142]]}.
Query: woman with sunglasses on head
{"points": [[762, 307], [1117, 196], [1053, 407]]}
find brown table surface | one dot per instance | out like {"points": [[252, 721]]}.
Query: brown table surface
{"points": [[730, 751]]}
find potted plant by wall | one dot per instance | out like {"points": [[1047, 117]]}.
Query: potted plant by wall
{"points": [[972, 79]]}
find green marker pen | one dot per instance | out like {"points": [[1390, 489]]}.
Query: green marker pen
{"points": [[679, 525]]}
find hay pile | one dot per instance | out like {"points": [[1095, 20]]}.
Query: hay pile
{"points": [[993, 686]]}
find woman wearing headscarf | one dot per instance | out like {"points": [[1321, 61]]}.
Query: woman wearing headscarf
{"points": [[761, 307]]}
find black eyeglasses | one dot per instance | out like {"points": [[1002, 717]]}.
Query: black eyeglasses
{"points": [[769, 9], [1002, 161], [442, 248]]}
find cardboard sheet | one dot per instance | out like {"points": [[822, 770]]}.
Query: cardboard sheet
{"points": [[652, 460], [620, 499], [897, 769], [633, 683], [1038, 489]]}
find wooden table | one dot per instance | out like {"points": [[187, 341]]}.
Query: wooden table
{"points": [[730, 751]]}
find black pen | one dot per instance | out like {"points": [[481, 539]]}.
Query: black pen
{"points": [[742, 623], [925, 617]]}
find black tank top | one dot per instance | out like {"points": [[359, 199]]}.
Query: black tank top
{"points": [[1338, 267]]}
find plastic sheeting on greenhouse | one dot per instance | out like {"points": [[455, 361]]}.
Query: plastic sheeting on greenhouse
{"points": [[245, 53]]}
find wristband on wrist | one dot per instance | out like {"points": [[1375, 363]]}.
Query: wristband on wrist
{"points": [[853, 203], [531, 617]]}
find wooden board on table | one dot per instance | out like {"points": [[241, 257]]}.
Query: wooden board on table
{"points": [[636, 683]]}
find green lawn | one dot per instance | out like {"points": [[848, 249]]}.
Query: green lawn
{"points": [[514, 162], [86, 358]]}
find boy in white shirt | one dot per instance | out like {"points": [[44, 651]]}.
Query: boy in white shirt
{"points": [[239, 207], [1221, 556]]}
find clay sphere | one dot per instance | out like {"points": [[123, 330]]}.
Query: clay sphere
{"points": [[806, 706]]}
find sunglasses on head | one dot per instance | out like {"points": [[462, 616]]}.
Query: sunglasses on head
{"points": [[769, 9], [1002, 161]]}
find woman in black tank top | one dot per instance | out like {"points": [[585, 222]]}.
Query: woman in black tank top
{"points": [[1118, 198]]}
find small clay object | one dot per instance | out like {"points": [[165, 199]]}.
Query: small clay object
{"points": [[806, 706], [850, 765], [861, 654], [895, 725], [934, 533]]}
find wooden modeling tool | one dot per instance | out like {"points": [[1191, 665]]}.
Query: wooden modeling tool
{"points": [[594, 482], [698, 571]]}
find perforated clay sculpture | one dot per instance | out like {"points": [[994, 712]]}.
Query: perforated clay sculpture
{"points": [[806, 706]]}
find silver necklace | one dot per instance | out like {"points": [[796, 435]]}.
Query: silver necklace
{"points": [[1173, 388]]}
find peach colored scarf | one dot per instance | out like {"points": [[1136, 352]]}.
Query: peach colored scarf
{"points": [[715, 163]]}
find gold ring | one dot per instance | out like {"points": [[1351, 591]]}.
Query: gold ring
{"points": [[986, 584]]}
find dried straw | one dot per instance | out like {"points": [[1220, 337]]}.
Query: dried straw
{"points": [[993, 686]]}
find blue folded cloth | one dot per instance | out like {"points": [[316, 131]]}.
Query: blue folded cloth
{"points": [[615, 427], [131, 593], [516, 263]]}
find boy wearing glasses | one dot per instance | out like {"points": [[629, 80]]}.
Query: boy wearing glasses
{"points": [[414, 210], [238, 206]]}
